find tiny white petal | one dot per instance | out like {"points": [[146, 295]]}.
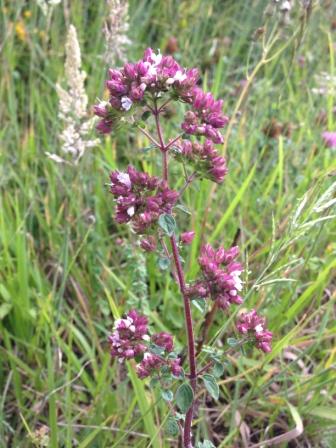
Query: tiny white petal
{"points": [[146, 337], [130, 211], [126, 103], [258, 328], [132, 328], [124, 179]]}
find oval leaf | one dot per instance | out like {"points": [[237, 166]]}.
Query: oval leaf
{"points": [[211, 386], [167, 224], [184, 397], [172, 427], [167, 394]]}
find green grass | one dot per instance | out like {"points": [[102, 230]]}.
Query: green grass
{"points": [[64, 278]]}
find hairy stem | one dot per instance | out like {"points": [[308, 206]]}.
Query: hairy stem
{"points": [[187, 442]]}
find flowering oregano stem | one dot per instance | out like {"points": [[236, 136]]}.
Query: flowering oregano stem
{"points": [[147, 134], [187, 309], [146, 202]]}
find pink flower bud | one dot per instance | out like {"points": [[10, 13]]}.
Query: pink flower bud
{"points": [[187, 237], [148, 244]]}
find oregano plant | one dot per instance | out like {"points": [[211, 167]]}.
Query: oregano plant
{"points": [[148, 204]]}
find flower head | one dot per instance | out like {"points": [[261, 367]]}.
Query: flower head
{"points": [[129, 336], [187, 237], [221, 276], [206, 117], [154, 74], [254, 326], [140, 198], [204, 159], [329, 139]]}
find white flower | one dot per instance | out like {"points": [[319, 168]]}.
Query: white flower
{"points": [[157, 58], [238, 284], [130, 211], [259, 328], [124, 178], [126, 103]]}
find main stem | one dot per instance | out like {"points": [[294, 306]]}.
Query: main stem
{"points": [[187, 442]]}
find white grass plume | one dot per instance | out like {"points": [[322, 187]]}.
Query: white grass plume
{"points": [[73, 104]]}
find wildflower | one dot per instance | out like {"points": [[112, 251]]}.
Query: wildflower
{"points": [[221, 276], [148, 244], [206, 116], [254, 326], [155, 74], [329, 139], [164, 340], [204, 159], [129, 336], [152, 363], [187, 237], [115, 31], [21, 31], [140, 198]]}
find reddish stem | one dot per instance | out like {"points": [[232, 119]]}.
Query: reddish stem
{"points": [[191, 343], [182, 285]]}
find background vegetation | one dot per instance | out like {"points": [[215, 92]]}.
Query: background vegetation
{"points": [[66, 270]]}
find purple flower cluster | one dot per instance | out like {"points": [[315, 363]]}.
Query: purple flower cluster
{"points": [[204, 158], [130, 339], [187, 237], [206, 116], [254, 326], [221, 276], [140, 198], [154, 74], [329, 139], [129, 336], [152, 363]]}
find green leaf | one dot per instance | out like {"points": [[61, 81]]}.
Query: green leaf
{"points": [[324, 412], [211, 385], [172, 427], [232, 342], [218, 369], [200, 304], [154, 382], [5, 309], [156, 349], [146, 115], [167, 224], [167, 394], [183, 208], [163, 263], [184, 397]]}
